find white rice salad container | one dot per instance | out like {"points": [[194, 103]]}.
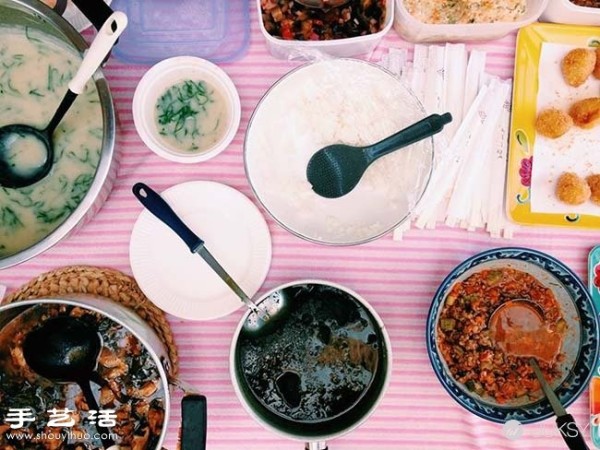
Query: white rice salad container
{"points": [[414, 30]]}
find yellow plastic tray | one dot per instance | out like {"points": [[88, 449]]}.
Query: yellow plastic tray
{"points": [[524, 110]]}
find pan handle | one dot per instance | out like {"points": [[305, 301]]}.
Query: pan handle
{"points": [[193, 422], [59, 6], [96, 11], [316, 445]]}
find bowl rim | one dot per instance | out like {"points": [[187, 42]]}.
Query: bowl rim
{"points": [[526, 256]]}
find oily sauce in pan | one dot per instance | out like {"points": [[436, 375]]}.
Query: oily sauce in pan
{"points": [[132, 388], [467, 344], [319, 361]]}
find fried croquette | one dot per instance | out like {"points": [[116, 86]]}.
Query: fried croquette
{"points": [[596, 71], [586, 113], [578, 65], [572, 189], [553, 123], [593, 182]]}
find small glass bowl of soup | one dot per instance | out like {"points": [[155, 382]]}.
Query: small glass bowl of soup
{"points": [[186, 109]]}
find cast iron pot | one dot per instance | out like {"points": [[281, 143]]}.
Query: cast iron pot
{"points": [[193, 405], [35, 14], [314, 433]]}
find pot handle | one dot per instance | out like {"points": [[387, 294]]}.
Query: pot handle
{"points": [[316, 445], [96, 11], [59, 6], [193, 422]]}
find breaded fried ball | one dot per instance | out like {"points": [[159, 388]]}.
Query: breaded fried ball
{"points": [[553, 123], [593, 182], [586, 113], [572, 189], [578, 65], [596, 71]]}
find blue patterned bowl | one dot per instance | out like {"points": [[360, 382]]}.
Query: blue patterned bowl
{"points": [[580, 344]]}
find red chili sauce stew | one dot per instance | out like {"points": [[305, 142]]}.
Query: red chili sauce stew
{"points": [[467, 343]]}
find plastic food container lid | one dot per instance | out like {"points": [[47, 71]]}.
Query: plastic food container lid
{"points": [[216, 30], [168, 73]]}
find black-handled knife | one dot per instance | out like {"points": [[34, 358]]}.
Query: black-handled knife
{"points": [[161, 209]]}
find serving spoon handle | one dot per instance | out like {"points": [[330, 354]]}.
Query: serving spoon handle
{"points": [[429, 126], [102, 44]]}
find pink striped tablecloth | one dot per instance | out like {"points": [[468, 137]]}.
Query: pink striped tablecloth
{"points": [[398, 278]]}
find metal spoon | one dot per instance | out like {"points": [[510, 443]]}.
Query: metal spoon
{"points": [[65, 350], [23, 140], [565, 422], [517, 327], [529, 314], [259, 318], [322, 4], [336, 169]]}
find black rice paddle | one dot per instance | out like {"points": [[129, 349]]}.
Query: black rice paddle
{"points": [[65, 350], [336, 169]]}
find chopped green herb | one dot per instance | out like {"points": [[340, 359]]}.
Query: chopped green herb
{"points": [[9, 219], [80, 187], [52, 215], [180, 108]]}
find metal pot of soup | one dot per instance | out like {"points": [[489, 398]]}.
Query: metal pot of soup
{"points": [[40, 52], [130, 383], [319, 369]]}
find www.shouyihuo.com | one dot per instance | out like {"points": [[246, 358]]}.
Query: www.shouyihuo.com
{"points": [[64, 435]]}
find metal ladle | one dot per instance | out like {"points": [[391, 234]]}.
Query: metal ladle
{"points": [[322, 4], [65, 350], [524, 319], [21, 140], [532, 315], [336, 169]]}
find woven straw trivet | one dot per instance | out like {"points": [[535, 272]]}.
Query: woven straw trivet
{"points": [[104, 282]]}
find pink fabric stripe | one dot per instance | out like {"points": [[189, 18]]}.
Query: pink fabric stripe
{"points": [[397, 278]]}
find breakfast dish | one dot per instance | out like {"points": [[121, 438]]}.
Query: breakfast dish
{"points": [[578, 65], [336, 101], [29, 214], [292, 21], [593, 182], [586, 3], [466, 11], [467, 343], [191, 116], [586, 113], [536, 162], [131, 387], [553, 123], [556, 324], [572, 189]]}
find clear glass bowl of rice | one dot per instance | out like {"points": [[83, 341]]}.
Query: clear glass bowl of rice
{"points": [[327, 102]]}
